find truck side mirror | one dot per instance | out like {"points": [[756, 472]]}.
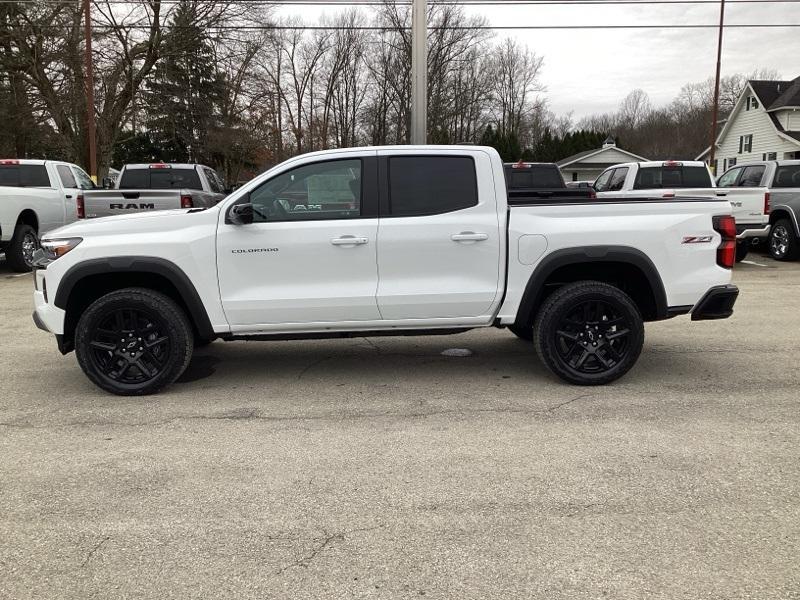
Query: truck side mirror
{"points": [[241, 214], [108, 183]]}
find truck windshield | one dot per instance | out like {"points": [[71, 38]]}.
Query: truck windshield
{"points": [[24, 176], [160, 179], [787, 177], [672, 177], [533, 177]]}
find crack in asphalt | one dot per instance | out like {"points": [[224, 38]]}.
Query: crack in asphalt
{"points": [[254, 415], [93, 550], [329, 539]]}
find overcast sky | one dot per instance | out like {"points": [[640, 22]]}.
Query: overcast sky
{"points": [[589, 71]]}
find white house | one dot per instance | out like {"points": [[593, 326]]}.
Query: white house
{"points": [[764, 125], [587, 166]]}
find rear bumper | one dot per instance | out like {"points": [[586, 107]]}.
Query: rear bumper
{"points": [[744, 232], [717, 303]]}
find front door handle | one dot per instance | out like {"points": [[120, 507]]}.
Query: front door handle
{"points": [[722, 194], [349, 240], [469, 236]]}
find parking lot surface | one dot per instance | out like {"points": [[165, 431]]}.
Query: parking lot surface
{"points": [[379, 468]]}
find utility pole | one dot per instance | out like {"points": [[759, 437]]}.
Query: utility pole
{"points": [[88, 76], [419, 72], [715, 108]]}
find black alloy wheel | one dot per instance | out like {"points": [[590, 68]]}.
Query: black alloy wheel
{"points": [[133, 341], [589, 333], [783, 243]]}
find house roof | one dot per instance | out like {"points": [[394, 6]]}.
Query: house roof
{"points": [[777, 94], [587, 153]]}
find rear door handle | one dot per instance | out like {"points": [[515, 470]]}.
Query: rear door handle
{"points": [[722, 194], [349, 240], [69, 196], [469, 236]]}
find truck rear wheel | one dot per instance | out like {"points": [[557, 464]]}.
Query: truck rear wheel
{"points": [[133, 342], [589, 333], [19, 253], [783, 242]]}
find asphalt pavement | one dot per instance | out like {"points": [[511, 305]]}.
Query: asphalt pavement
{"points": [[379, 468]]}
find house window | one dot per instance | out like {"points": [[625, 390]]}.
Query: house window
{"points": [[769, 156], [574, 176], [752, 102], [745, 143], [731, 162]]}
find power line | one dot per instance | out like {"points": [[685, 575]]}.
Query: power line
{"points": [[353, 3]]}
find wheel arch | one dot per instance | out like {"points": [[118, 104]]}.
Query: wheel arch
{"points": [[83, 283], [28, 216], [782, 211], [609, 264]]}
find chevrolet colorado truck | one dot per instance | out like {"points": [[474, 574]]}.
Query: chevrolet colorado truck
{"points": [[779, 181], [157, 186], [676, 179], [389, 241], [35, 197]]}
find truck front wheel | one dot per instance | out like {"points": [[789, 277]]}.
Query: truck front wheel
{"points": [[589, 333], [133, 342]]}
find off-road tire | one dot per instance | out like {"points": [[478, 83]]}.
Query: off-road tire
{"points": [[15, 255], [169, 323], [552, 318], [785, 229], [523, 333]]}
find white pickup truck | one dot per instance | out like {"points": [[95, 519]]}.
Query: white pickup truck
{"points": [[156, 186], [35, 197], [389, 241], [680, 179]]}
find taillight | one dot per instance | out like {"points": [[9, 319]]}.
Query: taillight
{"points": [[186, 202], [592, 194], [725, 225], [80, 206], [766, 203]]}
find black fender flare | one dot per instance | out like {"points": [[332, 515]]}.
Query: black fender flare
{"points": [[534, 289], [139, 264]]}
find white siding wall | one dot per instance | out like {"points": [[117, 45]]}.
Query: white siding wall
{"points": [[755, 122], [611, 155]]}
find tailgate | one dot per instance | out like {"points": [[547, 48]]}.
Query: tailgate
{"points": [[748, 204], [107, 203]]}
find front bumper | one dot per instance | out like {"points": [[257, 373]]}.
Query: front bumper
{"points": [[744, 232], [717, 303]]}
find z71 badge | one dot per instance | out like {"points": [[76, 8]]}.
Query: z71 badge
{"points": [[697, 239]]}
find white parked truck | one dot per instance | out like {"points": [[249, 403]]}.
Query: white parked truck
{"points": [[680, 179], [35, 197], [382, 241], [156, 186]]}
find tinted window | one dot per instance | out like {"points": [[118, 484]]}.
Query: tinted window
{"points": [[601, 184], [533, 177], [160, 179], [66, 176], [24, 176], [327, 190], [617, 179], [429, 185], [752, 176], [729, 178], [135, 179], [788, 176], [672, 177], [163, 179]]}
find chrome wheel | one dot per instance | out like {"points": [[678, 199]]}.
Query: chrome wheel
{"points": [[29, 245], [779, 241]]}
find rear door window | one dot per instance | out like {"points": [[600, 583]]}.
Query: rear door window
{"points": [[66, 176], [617, 180], [788, 176], [751, 177], [214, 184], [135, 179], [84, 181], [431, 185], [672, 177], [601, 184], [24, 176], [729, 178]]}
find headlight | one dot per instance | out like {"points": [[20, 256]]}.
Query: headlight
{"points": [[54, 249]]}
